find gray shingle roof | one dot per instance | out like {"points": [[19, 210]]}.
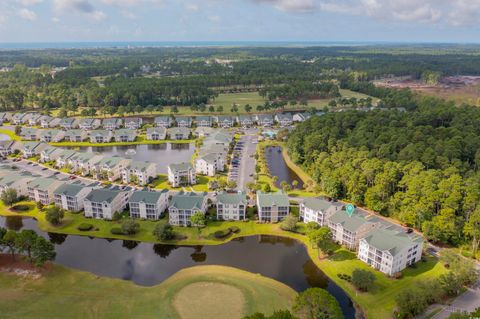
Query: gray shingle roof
{"points": [[351, 224], [146, 196], [394, 241], [189, 200], [69, 189], [180, 166], [103, 195], [232, 198], [317, 204]]}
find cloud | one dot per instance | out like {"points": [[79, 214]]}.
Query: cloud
{"points": [[192, 6], [27, 3], [129, 3], [450, 12], [79, 6], [214, 18], [27, 14], [292, 5]]}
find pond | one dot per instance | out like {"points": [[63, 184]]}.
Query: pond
{"points": [[278, 167], [283, 259], [4, 137], [161, 154]]}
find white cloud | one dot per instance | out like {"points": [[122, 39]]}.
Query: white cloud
{"points": [[214, 18], [79, 6], [129, 3], [55, 20], [129, 15], [27, 14], [192, 6], [452, 12]]}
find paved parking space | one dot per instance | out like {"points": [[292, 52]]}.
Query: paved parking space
{"points": [[242, 166]]}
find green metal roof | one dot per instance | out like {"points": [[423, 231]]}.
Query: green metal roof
{"points": [[103, 195], [272, 199], [180, 166], [351, 224], [209, 158], [188, 200], [232, 198], [158, 130], [69, 189], [394, 241], [317, 204], [148, 197], [43, 183]]}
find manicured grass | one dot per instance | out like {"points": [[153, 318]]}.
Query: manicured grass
{"points": [[380, 303], [62, 292], [10, 134], [161, 182], [241, 99], [140, 140]]}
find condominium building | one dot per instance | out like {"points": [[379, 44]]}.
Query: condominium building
{"points": [[284, 119], [264, 120], [110, 168], [111, 123], [101, 136], [272, 207], [203, 121], [318, 210], [231, 206], [17, 181], [141, 173], [30, 134], [184, 205], [390, 250], [71, 196], [125, 135], [183, 121], [156, 133], [105, 202], [68, 123], [181, 174], [48, 136], [133, 123], [148, 204], [89, 124], [179, 133], [209, 164], [75, 135], [163, 121], [348, 230], [41, 189]]}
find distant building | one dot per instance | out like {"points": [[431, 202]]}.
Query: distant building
{"points": [[245, 120], [68, 123], [48, 136], [30, 134], [203, 121], [179, 133], [31, 149], [133, 123], [125, 135], [101, 136], [76, 135], [181, 174], [231, 206], [148, 204], [183, 121], [284, 119], [163, 121], [264, 120], [156, 133], [272, 207], [111, 123], [185, 205], [89, 124], [301, 117], [16, 180]]}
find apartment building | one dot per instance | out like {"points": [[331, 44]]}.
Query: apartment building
{"points": [[125, 135], [111, 123], [156, 133], [110, 168], [89, 124], [203, 121], [75, 135], [148, 204], [71, 196], [318, 210], [103, 203], [272, 207], [68, 123], [133, 123], [163, 121], [140, 173], [284, 119], [41, 189], [48, 136], [184, 205], [209, 164], [101, 136], [181, 174], [183, 121], [178, 133], [231, 206]]}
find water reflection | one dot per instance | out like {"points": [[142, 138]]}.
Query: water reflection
{"points": [[283, 259], [278, 167], [161, 154]]}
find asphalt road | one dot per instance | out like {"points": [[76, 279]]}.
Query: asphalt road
{"points": [[243, 174]]}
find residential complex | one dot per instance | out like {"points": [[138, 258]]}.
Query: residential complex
{"points": [[272, 207], [231, 206], [181, 174], [148, 204], [184, 205]]}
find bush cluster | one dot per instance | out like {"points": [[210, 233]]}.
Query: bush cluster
{"points": [[85, 227]]}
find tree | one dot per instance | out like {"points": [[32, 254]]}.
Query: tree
{"points": [[363, 279], [9, 241], [294, 183], [42, 251], [198, 220], [321, 238], [471, 229], [62, 113], [289, 223], [18, 130], [25, 241], [9, 196], [278, 314], [54, 215], [220, 109], [232, 184], [316, 303], [247, 108], [164, 232], [411, 302], [174, 109], [211, 109], [130, 227], [266, 188]]}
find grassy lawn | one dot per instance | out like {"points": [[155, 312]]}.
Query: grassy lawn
{"points": [[10, 134], [379, 303], [89, 296], [140, 140], [161, 182]]}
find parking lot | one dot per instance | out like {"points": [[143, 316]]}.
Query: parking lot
{"points": [[242, 166]]}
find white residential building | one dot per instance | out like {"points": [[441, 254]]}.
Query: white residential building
{"points": [[48, 136], [163, 121], [75, 135], [148, 204], [209, 164], [89, 124], [133, 123], [71, 196], [185, 205], [111, 123], [203, 121], [101, 136], [125, 135], [179, 133], [41, 189], [231, 206], [284, 119], [104, 203], [181, 174], [390, 250], [272, 207], [156, 133], [17, 181], [318, 210], [140, 172], [110, 168]]}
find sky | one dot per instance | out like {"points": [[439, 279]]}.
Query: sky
{"points": [[240, 20]]}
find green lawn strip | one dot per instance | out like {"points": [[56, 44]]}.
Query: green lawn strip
{"points": [[139, 141], [10, 134], [86, 295], [379, 303], [161, 182]]}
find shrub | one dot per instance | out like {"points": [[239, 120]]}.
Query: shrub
{"points": [[116, 231], [219, 234], [363, 279], [397, 275], [234, 229], [163, 232], [85, 227], [20, 208], [130, 227]]}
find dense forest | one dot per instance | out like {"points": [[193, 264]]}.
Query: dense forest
{"points": [[151, 77], [421, 167]]}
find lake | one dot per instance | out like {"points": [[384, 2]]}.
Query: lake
{"points": [[282, 259], [278, 167], [161, 154]]}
